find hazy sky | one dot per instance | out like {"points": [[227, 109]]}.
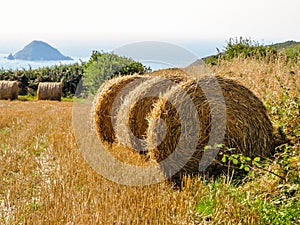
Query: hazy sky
{"points": [[66, 23]]}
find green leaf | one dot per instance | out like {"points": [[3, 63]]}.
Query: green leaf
{"points": [[256, 159], [219, 145], [236, 156], [224, 159], [207, 147], [235, 161]]}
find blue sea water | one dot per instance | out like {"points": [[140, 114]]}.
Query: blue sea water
{"points": [[15, 64]]}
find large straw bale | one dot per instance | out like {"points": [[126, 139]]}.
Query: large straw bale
{"points": [[248, 128]]}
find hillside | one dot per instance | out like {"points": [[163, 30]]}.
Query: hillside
{"points": [[285, 45], [249, 48], [40, 51]]}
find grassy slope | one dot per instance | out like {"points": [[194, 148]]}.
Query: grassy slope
{"points": [[45, 180], [290, 49], [284, 45]]}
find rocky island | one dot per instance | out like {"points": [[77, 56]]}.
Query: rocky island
{"points": [[39, 51]]}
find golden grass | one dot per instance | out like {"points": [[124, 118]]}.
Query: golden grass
{"points": [[262, 77]]}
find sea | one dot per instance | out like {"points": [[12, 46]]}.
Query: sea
{"points": [[16, 64]]}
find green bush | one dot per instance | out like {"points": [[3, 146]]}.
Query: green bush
{"points": [[103, 66]]}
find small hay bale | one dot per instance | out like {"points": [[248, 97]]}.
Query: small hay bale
{"points": [[9, 90], [131, 122], [49, 91], [106, 104], [248, 128]]}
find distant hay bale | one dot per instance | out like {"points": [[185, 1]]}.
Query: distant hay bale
{"points": [[248, 128], [49, 91], [132, 121], [106, 104], [9, 90]]}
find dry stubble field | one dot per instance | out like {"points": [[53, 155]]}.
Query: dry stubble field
{"points": [[45, 180]]}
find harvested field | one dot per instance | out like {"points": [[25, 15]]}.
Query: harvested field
{"points": [[45, 179]]}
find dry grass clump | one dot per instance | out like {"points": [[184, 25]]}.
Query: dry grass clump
{"points": [[248, 128], [9, 90], [49, 91]]}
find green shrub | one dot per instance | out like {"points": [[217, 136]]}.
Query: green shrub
{"points": [[103, 66]]}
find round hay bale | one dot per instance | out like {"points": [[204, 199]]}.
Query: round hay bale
{"points": [[248, 129], [131, 122], [170, 73], [49, 91], [9, 90], [106, 104]]}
